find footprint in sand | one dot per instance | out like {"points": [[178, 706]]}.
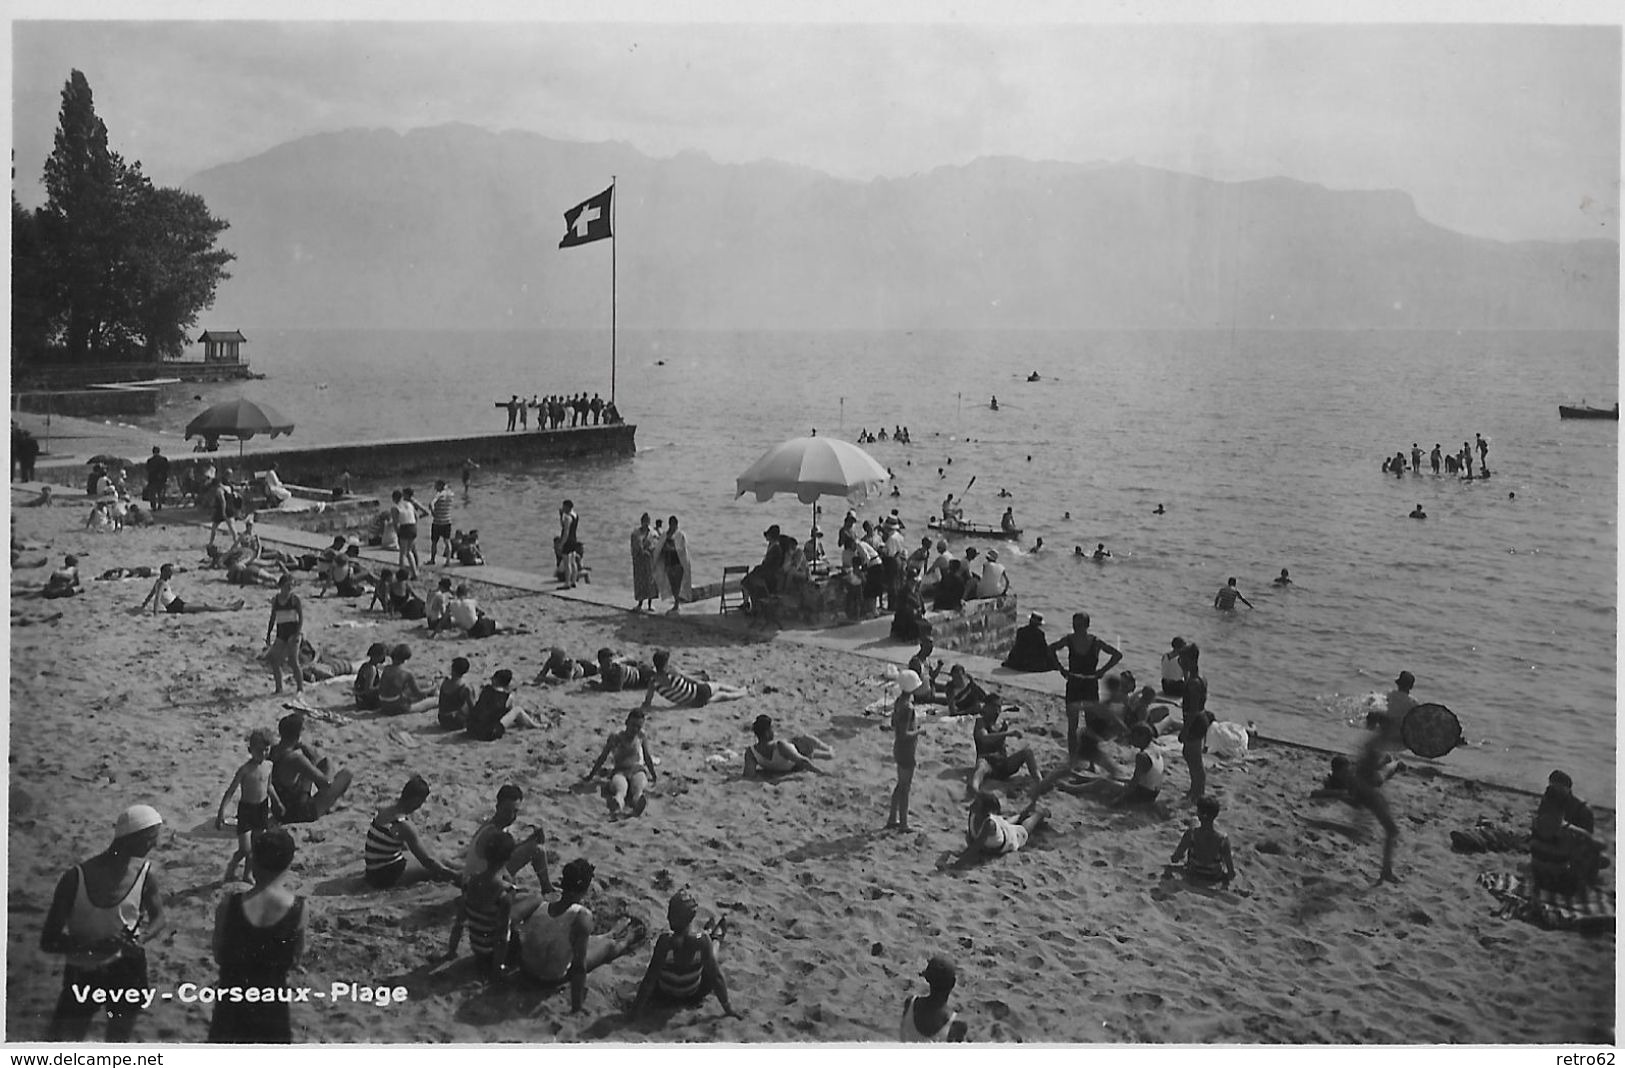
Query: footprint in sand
{"points": [[1143, 1000]]}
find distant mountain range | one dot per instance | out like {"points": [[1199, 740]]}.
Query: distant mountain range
{"points": [[456, 227]]}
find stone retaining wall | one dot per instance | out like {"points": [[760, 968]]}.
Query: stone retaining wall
{"points": [[984, 627], [125, 400]]}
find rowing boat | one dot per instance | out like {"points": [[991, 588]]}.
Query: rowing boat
{"points": [[973, 530], [1585, 411]]}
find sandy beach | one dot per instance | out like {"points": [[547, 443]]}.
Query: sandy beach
{"points": [[1078, 938]]}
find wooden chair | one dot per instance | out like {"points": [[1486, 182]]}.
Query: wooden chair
{"points": [[732, 579]]}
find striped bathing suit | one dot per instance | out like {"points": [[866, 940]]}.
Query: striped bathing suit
{"points": [[483, 929], [385, 853], [683, 984], [681, 690]]}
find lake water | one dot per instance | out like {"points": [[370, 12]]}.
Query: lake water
{"points": [[1265, 449]]}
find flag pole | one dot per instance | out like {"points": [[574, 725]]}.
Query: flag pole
{"points": [[612, 199]]}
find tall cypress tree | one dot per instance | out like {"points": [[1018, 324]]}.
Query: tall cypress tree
{"points": [[126, 266], [80, 223]]}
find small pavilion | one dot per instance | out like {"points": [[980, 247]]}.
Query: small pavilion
{"points": [[220, 346]]}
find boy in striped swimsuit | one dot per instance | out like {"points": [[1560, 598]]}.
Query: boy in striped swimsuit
{"points": [[440, 518], [683, 691]]}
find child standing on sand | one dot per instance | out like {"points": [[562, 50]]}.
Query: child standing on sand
{"points": [[1204, 850], [254, 807], [905, 741]]}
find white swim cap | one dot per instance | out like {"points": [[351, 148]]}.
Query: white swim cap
{"points": [[136, 818]]}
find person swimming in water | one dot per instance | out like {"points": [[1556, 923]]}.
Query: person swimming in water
{"points": [[1101, 552], [1225, 600], [1417, 513], [1283, 579], [1160, 510]]}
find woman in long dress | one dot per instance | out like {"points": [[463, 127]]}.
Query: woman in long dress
{"points": [[643, 565]]}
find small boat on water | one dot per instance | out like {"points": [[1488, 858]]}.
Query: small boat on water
{"points": [[1033, 377], [1585, 411], [973, 530]]}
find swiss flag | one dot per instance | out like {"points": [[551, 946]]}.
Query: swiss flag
{"points": [[588, 220]]}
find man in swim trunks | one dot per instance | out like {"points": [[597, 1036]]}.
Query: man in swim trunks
{"points": [[684, 969], [1083, 671], [254, 806], [104, 944], [298, 771], [992, 761], [683, 691], [1225, 600], [557, 943], [288, 622]]}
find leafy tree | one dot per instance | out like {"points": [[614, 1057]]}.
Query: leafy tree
{"points": [[30, 309], [127, 266]]}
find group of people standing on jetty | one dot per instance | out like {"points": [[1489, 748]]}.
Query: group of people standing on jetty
{"points": [[1459, 462], [551, 411]]}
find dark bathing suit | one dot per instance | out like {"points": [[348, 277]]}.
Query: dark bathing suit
{"points": [[1082, 663], [259, 958], [254, 815]]}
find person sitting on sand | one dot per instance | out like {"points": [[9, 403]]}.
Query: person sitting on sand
{"points": [[435, 614], [398, 596], [964, 695], [42, 501], [490, 907], [163, 597], [302, 779], [929, 691], [368, 676], [992, 760], [467, 547], [390, 836], [772, 756], [683, 691], [683, 969], [1141, 707], [1203, 850], [529, 850], [64, 581], [348, 575], [631, 768], [1030, 651], [254, 807], [928, 1018], [619, 673], [398, 690], [455, 701], [1149, 770], [990, 834], [100, 518], [557, 943], [1564, 853], [494, 712], [104, 944]]}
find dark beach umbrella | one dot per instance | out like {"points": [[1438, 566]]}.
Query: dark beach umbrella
{"points": [[240, 419]]}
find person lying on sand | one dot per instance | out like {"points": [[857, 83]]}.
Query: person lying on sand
{"points": [[686, 692], [490, 907], [398, 689], [318, 666], [992, 759], [631, 769], [772, 756], [988, 833], [390, 836], [163, 597], [64, 581], [927, 1018], [561, 667], [494, 712], [42, 501], [1203, 850], [617, 673], [302, 779], [528, 850], [254, 807], [683, 969], [557, 943]]}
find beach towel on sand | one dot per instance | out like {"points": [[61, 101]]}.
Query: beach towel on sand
{"points": [[1591, 909]]}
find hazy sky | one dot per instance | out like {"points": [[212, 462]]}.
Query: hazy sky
{"points": [[1505, 131]]}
